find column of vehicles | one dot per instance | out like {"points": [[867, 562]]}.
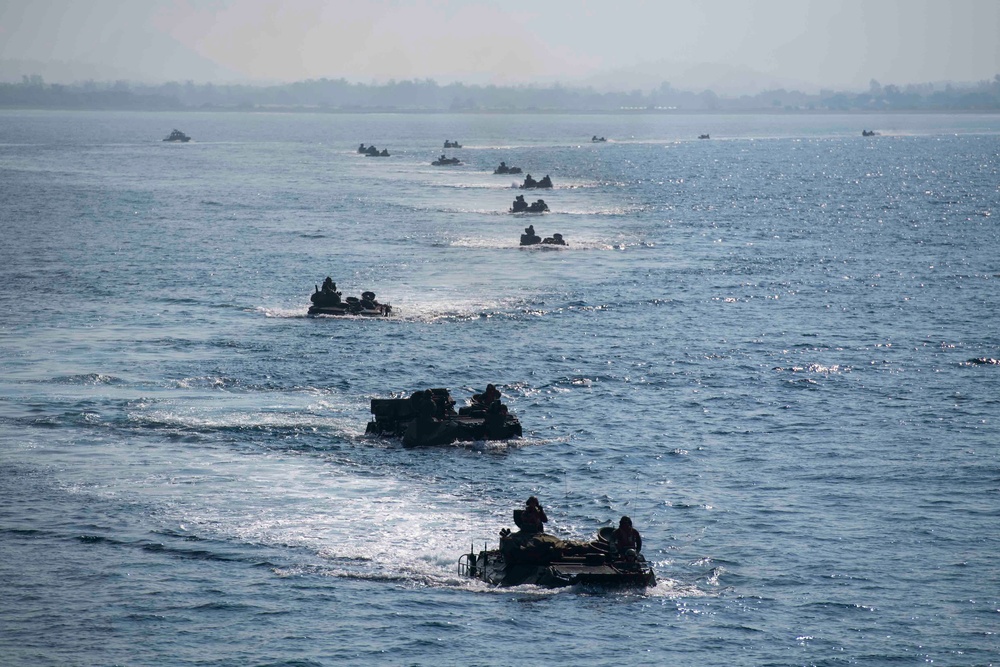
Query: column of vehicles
{"points": [[520, 205], [328, 301], [425, 418]]}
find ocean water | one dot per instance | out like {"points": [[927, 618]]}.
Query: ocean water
{"points": [[776, 350]]}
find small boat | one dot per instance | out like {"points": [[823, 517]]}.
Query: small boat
{"points": [[452, 144], [704, 136], [178, 136], [597, 140], [541, 559], [428, 418], [869, 133], [445, 161], [328, 301]]}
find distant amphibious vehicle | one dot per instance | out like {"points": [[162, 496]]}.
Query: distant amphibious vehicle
{"points": [[521, 206], [532, 184], [372, 151], [529, 237], [540, 559], [429, 418], [328, 301], [504, 169], [178, 136]]}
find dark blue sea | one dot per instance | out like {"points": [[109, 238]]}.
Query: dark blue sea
{"points": [[776, 350]]}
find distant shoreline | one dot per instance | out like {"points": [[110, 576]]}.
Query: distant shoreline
{"points": [[517, 112], [427, 97]]}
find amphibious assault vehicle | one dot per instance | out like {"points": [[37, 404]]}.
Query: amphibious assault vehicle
{"points": [[429, 418], [544, 560]]}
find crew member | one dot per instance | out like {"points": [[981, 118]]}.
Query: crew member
{"points": [[625, 540], [533, 517]]}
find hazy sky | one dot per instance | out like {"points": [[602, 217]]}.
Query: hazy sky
{"points": [[831, 43]]}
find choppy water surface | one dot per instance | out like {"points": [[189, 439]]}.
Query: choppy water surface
{"points": [[776, 350]]}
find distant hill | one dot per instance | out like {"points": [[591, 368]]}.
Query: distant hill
{"points": [[174, 63]]}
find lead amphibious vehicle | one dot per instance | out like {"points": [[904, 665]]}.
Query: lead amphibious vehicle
{"points": [[543, 560], [328, 301]]}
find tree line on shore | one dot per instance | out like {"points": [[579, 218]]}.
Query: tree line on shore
{"points": [[428, 96]]}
